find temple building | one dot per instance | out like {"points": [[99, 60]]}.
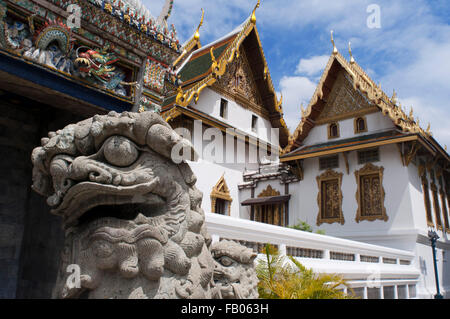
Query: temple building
{"points": [[357, 166]]}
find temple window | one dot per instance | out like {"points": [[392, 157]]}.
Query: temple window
{"points": [[330, 198], [329, 162], [370, 194], [360, 125], [333, 130], [254, 123], [426, 200], [220, 198], [436, 206], [223, 108], [368, 156]]}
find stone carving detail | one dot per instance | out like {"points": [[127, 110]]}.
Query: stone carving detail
{"points": [[234, 273], [131, 215]]}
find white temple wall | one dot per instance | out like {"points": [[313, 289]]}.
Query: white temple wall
{"points": [[376, 122], [397, 197], [237, 115]]}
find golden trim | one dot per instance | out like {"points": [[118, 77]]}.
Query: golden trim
{"points": [[221, 191], [268, 192], [330, 175], [370, 169], [355, 124], [350, 148]]}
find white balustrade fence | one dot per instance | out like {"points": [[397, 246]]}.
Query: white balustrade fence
{"points": [[372, 272]]}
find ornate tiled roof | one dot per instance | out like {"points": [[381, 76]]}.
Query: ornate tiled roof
{"points": [[373, 93], [207, 64]]}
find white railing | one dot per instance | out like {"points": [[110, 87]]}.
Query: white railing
{"points": [[371, 271]]}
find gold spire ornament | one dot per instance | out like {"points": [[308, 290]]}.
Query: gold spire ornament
{"points": [[197, 33], [411, 113], [352, 59], [394, 98], [429, 129], [335, 51], [302, 109], [253, 18]]}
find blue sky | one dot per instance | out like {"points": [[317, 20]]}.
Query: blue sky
{"points": [[409, 53]]}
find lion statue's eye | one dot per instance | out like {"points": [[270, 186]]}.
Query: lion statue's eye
{"points": [[120, 151], [102, 249], [226, 261]]}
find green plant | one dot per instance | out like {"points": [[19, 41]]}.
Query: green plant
{"points": [[304, 226], [281, 278]]}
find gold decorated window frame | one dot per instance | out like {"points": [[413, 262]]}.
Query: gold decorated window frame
{"points": [[368, 170], [330, 136], [220, 191], [328, 176], [356, 127]]}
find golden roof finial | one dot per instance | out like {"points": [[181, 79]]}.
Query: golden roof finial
{"points": [[394, 98], [335, 51], [411, 113], [429, 129], [445, 148], [253, 18], [279, 103], [197, 33], [352, 60]]}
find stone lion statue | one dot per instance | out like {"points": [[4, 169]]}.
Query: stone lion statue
{"points": [[131, 214], [234, 272]]}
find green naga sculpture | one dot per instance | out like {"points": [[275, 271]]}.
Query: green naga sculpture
{"points": [[97, 65]]}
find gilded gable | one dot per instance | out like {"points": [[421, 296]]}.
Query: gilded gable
{"points": [[238, 82], [345, 102]]}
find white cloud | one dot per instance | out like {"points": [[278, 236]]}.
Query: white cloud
{"points": [[296, 90], [312, 66]]}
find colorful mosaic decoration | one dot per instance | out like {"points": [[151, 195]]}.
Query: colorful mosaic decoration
{"points": [[84, 54], [154, 75]]}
